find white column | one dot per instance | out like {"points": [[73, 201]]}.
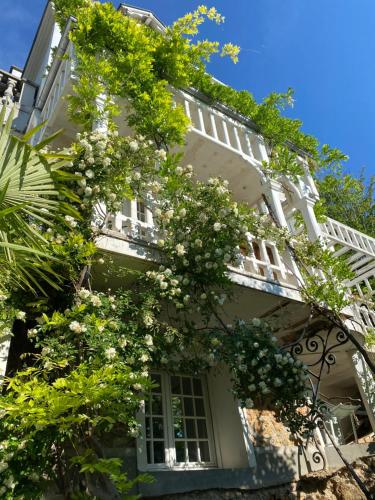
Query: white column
{"points": [[306, 205], [273, 191], [366, 385]]}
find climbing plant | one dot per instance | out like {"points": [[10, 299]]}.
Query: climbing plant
{"points": [[90, 352]]}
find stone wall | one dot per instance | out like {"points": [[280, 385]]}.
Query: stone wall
{"points": [[325, 485], [266, 430]]}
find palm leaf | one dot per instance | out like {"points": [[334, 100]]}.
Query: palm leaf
{"points": [[29, 189]]}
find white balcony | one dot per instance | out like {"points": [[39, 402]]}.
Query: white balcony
{"points": [[132, 233]]}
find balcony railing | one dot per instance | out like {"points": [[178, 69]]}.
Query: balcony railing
{"points": [[10, 89], [219, 127], [359, 251], [260, 259]]}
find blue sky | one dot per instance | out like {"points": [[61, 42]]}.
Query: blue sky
{"points": [[324, 49]]}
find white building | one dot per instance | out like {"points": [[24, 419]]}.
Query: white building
{"points": [[217, 444]]}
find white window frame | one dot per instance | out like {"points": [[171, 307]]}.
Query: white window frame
{"points": [[169, 439]]}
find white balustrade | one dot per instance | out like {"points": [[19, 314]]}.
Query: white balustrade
{"points": [[222, 129]]}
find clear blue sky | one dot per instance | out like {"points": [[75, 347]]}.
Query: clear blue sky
{"points": [[324, 49]]}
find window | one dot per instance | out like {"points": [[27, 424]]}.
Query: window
{"points": [[141, 211], [177, 428]]}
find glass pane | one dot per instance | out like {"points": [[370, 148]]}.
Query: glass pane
{"points": [[176, 406], [175, 383], [180, 451], [148, 428], [202, 429], [179, 428], [205, 451], [159, 452], [192, 450], [190, 428], [199, 407], [157, 405], [148, 446], [157, 428], [148, 406], [186, 385], [189, 407], [197, 385], [156, 379]]}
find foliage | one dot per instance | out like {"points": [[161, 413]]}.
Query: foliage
{"points": [[348, 199], [29, 188], [77, 391]]}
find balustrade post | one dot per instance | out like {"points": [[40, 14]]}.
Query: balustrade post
{"points": [[8, 98]]}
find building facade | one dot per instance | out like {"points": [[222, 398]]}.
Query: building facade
{"points": [[195, 435]]}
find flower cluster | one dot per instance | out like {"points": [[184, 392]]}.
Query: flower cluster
{"points": [[261, 370], [201, 230], [111, 167]]}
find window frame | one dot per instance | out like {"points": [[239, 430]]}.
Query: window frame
{"points": [[169, 439]]}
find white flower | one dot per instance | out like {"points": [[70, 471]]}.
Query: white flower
{"points": [[137, 387], [3, 466], [203, 296], [163, 285], [84, 293], [277, 382], [180, 249], [144, 358], [161, 243], [106, 162], [179, 170], [252, 387], [21, 315], [182, 212], [89, 174], [136, 176], [88, 191], [122, 342], [112, 196], [134, 146], [101, 260], [198, 243], [256, 322], [95, 301], [110, 353], [149, 340], [217, 226], [71, 221], [162, 154], [3, 297], [76, 327]]}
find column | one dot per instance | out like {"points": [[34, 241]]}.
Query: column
{"points": [[366, 384], [273, 190], [306, 205]]}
